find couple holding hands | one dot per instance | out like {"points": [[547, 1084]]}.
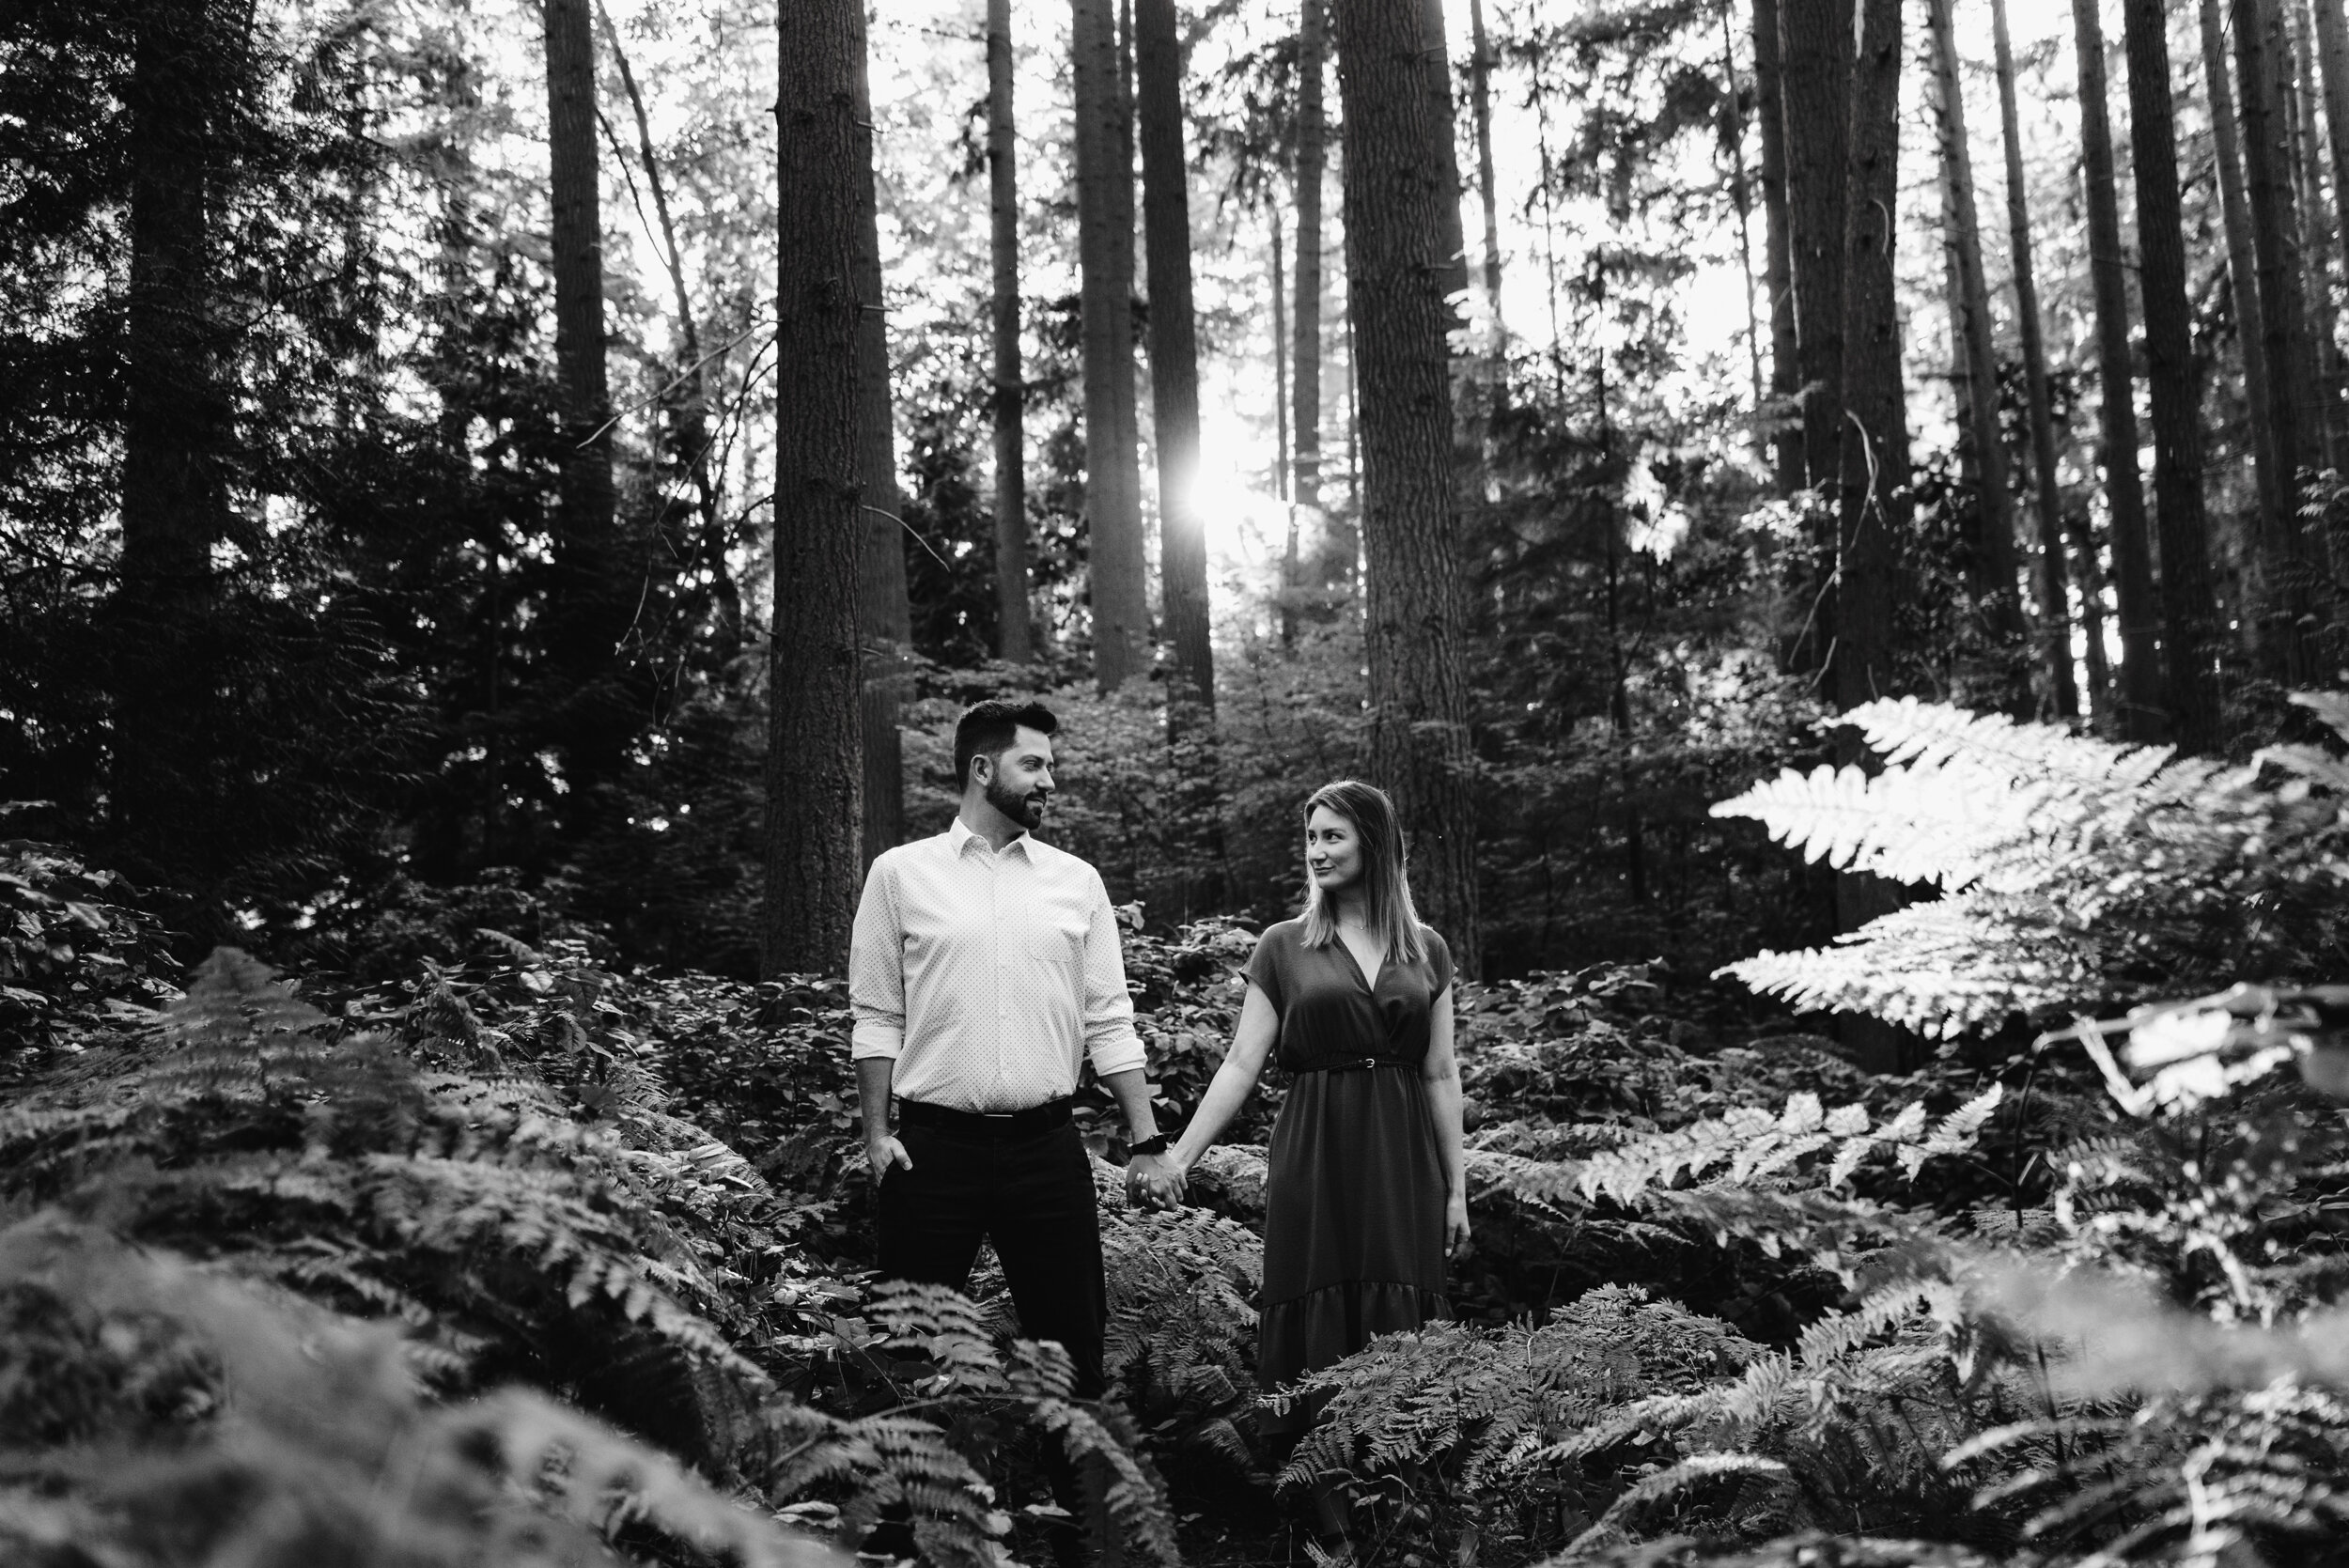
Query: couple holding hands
{"points": [[984, 969]]}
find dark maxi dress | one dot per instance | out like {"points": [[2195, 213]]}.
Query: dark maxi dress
{"points": [[1354, 1186]]}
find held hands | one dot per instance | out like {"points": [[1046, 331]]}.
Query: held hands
{"points": [[1154, 1182]]}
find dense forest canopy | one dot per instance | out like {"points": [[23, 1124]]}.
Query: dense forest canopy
{"points": [[1825, 514]]}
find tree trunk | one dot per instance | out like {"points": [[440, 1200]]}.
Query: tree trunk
{"points": [[2140, 694], [1173, 350], [2250, 332], [1121, 612], [2002, 609], [814, 775], [1741, 197], [884, 617], [1312, 132], [1815, 60], [586, 615], [1874, 505], [1289, 561], [2332, 57], [1436, 58], [176, 423], [2055, 608], [1397, 182], [1481, 108], [1872, 509], [2283, 319], [1014, 639], [2308, 161], [2191, 641], [1777, 250]]}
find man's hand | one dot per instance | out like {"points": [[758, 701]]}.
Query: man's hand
{"points": [[1154, 1181], [882, 1151]]}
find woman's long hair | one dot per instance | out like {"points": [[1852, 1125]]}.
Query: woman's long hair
{"points": [[1387, 907]]}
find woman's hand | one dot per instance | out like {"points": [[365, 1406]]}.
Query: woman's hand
{"points": [[1455, 1224]]}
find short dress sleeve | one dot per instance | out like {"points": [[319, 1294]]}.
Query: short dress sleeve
{"points": [[1266, 969], [1438, 959]]}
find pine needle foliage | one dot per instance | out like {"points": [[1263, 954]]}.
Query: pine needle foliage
{"points": [[2071, 871]]}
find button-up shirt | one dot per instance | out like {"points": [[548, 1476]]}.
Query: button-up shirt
{"points": [[988, 975]]}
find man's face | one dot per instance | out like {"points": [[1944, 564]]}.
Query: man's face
{"points": [[1019, 783]]}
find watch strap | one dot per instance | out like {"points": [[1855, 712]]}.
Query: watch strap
{"points": [[1155, 1144]]}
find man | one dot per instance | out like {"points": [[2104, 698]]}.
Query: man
{"points": [[983, 968]]}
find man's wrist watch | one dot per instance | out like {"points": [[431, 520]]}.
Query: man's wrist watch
{"points": [[1157, 1144]]}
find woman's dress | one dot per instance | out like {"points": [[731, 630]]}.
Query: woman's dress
{"points": [[1354, 1184]]}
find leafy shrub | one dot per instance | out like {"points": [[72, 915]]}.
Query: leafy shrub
{"points": [[74, 960]]}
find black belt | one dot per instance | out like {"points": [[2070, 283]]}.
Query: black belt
{"points": [[1354, 1064], [1052, 1114]]}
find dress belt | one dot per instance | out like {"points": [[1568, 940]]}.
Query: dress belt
{"points": [[1354, 1064], [1047, 1117]]}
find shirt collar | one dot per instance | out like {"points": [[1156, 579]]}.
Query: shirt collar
{"points": [[961, 835]]}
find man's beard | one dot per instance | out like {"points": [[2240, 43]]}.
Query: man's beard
{"points": [[1026, 810]]}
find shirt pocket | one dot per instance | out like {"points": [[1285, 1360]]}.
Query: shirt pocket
{"points": [[1057, 948]]}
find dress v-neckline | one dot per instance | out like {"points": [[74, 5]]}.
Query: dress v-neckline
{"points": [[1370, 982]]}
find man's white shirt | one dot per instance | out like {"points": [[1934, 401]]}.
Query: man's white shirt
{"points": [[988, 975]]}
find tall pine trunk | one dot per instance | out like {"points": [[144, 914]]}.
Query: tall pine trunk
{"points": [[1397, 181], [813, 774], [586, 615], [176, 423], [2250, 325], [1816, 61], [2316, 250], [1313, 132], [2140, 694], [884, 616], [1121, 611], [1873, 501], [2001, 609], [1174, 347], [1014, 641], [2259, 34], [2055, 608], [2189, 615], [1777, 250]]}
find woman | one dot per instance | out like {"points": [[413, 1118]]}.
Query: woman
{"points": [[1364, 1195]]}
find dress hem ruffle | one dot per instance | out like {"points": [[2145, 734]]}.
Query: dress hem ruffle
{"points": [[1323, 1327]]}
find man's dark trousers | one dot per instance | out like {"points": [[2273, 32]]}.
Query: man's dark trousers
{"points": [[1032, 1195]]}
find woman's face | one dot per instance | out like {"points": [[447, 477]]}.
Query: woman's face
{"points": [[1334, 851]]}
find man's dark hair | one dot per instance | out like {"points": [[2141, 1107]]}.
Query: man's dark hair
{"points": [[989, 728]]}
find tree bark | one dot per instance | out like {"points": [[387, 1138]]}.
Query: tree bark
{"points": [[1121, 612], [2002, 609], [1815, 60], [2055, 608], [1397, 182], [586, 615], [1872, 509], [1173, 350], [1014, 638], [813, 774], [2308, 161], [2283, 316], [2189, 615], [1874, 505], [884, 617], [2140, 695], [1289, 554], [1777, 250], [2250, 326], [176, 423], [1312, 132], [1741, 197]]}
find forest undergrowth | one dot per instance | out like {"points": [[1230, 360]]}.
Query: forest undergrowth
{"points": [[483, 1250]]}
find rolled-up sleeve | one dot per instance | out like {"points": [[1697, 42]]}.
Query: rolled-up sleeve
{"points": [[1109, 1008], [877, 976]]}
